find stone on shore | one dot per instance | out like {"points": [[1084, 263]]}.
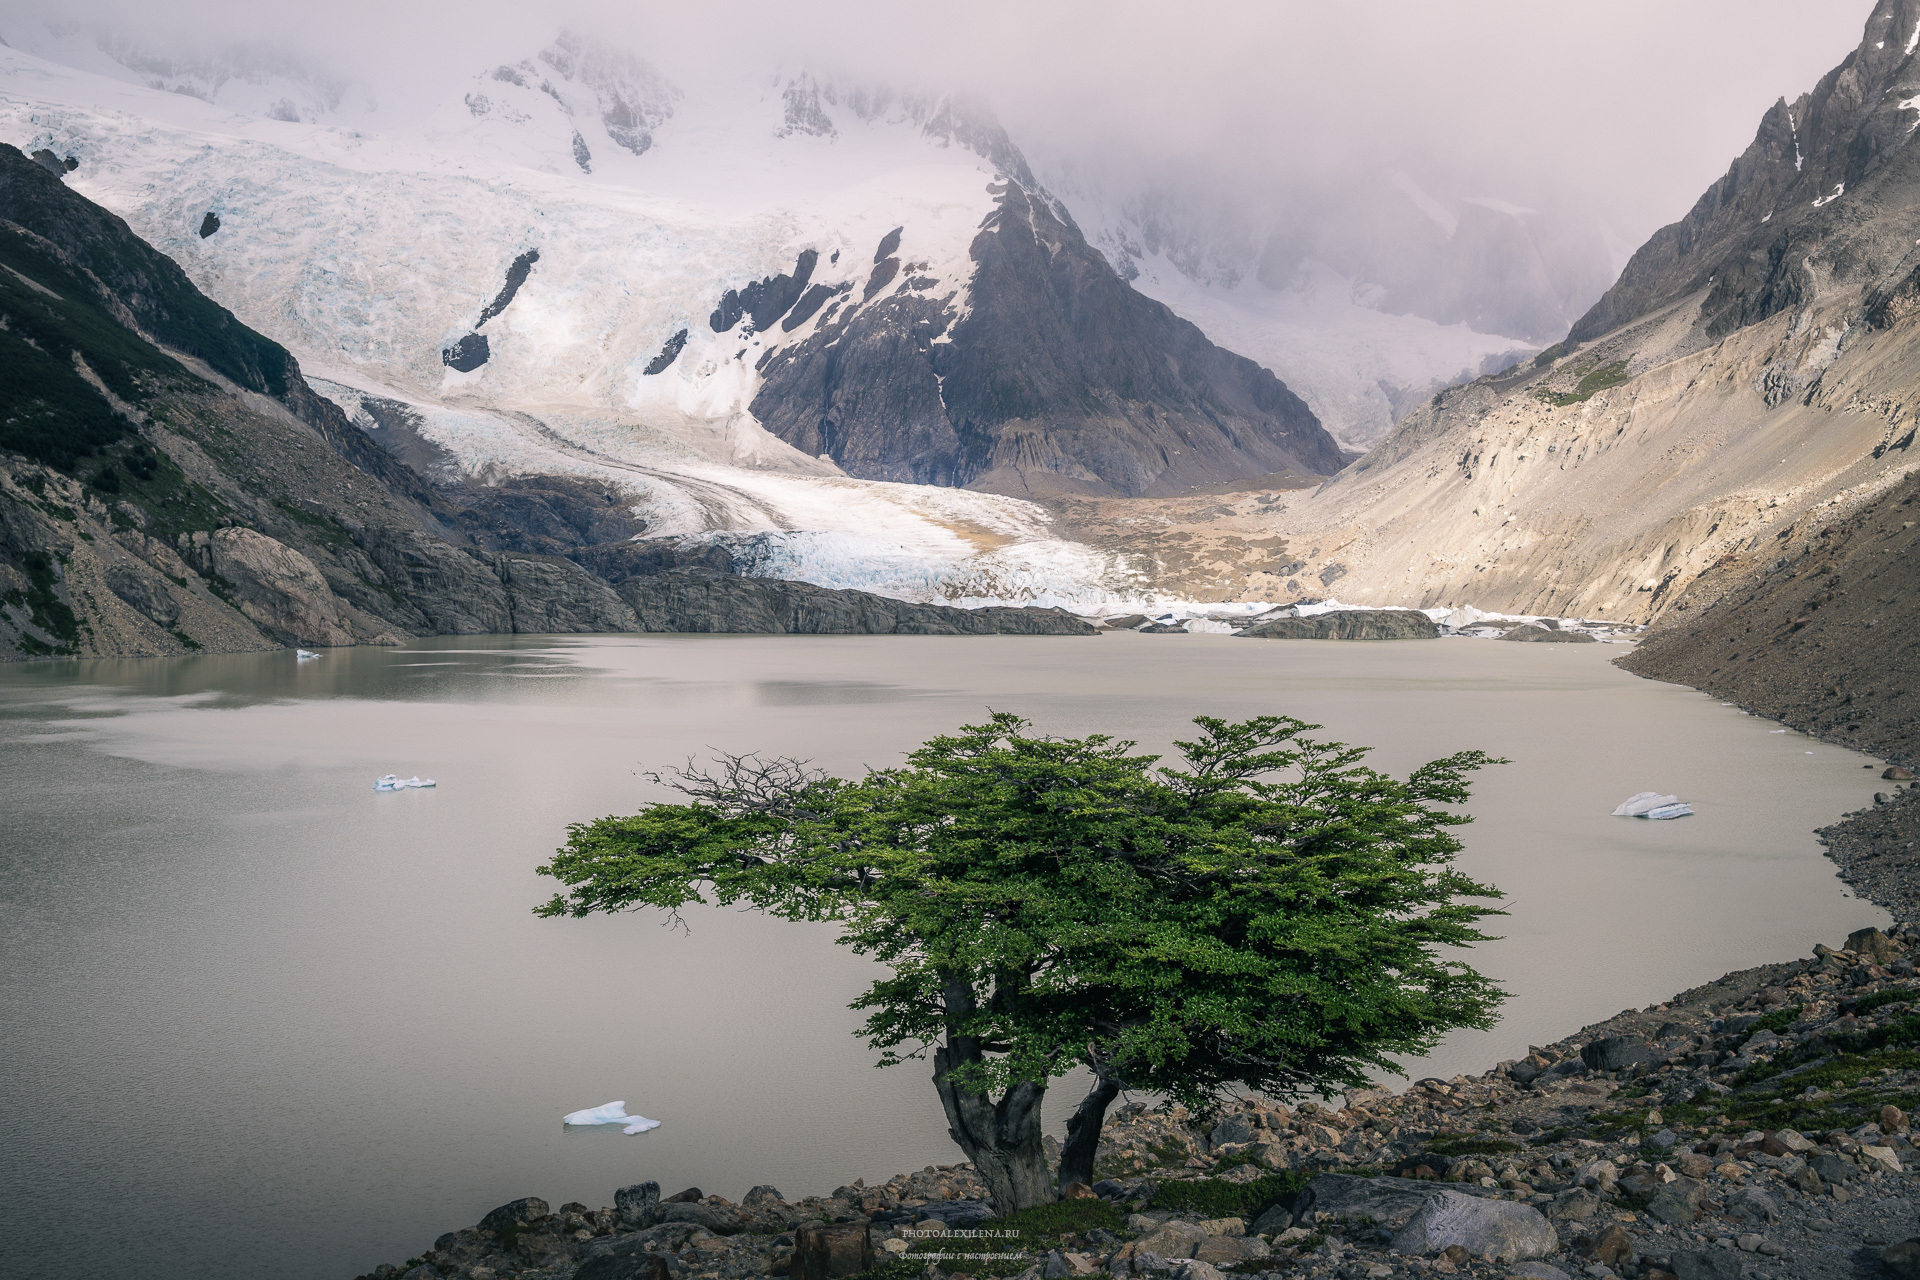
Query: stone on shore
{"points": [[1497, 1229]]}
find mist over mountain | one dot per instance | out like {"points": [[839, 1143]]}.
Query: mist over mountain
{"points": [[1309, 188]]}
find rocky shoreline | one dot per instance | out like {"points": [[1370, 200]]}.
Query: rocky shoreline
{"points": [[1754, 1128]]}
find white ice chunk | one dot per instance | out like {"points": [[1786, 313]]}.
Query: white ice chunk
{"points": [[302, 655], [1643, 803], [611, 1113], [393, 782], [1679, 809]]}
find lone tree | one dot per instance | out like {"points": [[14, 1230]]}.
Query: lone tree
{"points": [[1265, 918]]}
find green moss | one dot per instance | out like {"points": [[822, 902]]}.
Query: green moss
{"points": [[1047, 1222], [1777, 1021], [1595, 381], [1218, 1198], [1879, 1000]]}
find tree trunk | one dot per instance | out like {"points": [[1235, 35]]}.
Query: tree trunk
{"points": [[1083, 1131], [1001, 1138]]}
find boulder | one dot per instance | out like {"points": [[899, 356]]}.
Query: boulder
{"points": [[1350, 624], [1880, 1160], [1873, 944], [1785, 1142], [1615, 1053], [1228, 1251], [631, 1265], [830, 1250], [1714, 1264], [1577, 1205], [1171, 1240], [515, 1213], [638, 1205], [1499, 1229], [958, 1214], [1678, 1203], [276, 587], [144, 590], [1613, 1247], [1390, 1202], [1831, 1167], [1902, 1260], [722, 1220]]}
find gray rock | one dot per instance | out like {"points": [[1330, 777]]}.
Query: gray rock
{"points": [[1172, 1240], [1711, 1264], [960, 1214], [145, 591], [1574, 1206], [631, 1265], [1277, 1218], [1902, 1260], [1536, 1271], [1678, 1203], [1831, 1167], [719, 1219], [1350, 624], [1390, 1202], [638, 1205], [275, 586], [515, 1213], [1483, 1227], [1616, 1053]]}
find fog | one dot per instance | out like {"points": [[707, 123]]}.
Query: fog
{"points": [[1627, 107]]}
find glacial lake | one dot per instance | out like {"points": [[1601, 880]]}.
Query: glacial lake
{"points": [[263, 1022]]}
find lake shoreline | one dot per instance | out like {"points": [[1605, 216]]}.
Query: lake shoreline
{"points": [[1690, 1193]]}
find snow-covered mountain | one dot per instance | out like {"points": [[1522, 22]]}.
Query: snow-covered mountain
{"points": [[745, 302]]}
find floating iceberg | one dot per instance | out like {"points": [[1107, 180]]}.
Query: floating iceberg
{"points": [[393, 782], [1651, 804], [611, 1113], [302, 655]]}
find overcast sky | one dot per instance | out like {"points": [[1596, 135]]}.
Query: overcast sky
{"points": [[1632, 105]]}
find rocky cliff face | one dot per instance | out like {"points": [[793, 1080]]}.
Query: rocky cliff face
{"points": [[1799, 213], [1048, 374]]}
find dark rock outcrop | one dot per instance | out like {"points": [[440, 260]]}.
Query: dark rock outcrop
{"points": [[703, 600], [1060, 377], [1350, 624], [1822, 197], [516, 276], [466, 355]]}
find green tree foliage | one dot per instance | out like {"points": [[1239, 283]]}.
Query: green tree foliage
{"points": [[1266, 917]]}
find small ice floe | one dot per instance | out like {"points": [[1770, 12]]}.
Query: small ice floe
{"points": [[304, 655], [1651, 804], [610, 1113], [394, 782]]}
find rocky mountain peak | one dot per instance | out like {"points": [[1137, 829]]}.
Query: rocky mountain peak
{"points": [[1813, 173]]}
